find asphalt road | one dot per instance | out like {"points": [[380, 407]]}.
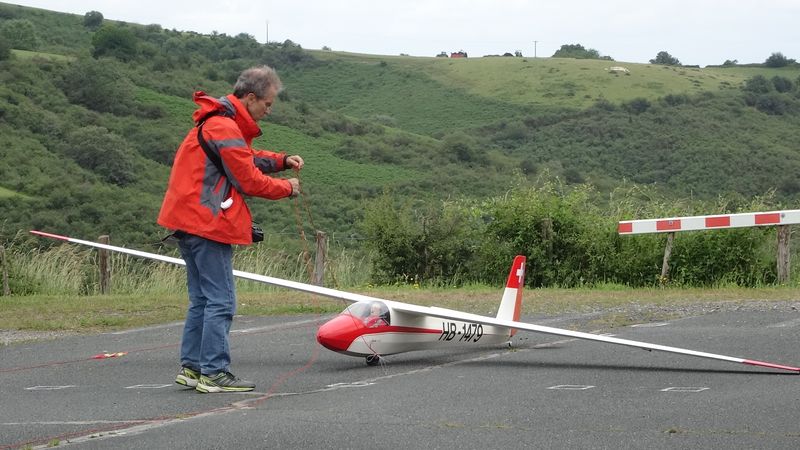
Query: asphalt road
{"points": [[548, 392]]}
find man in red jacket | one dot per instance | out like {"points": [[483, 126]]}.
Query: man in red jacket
{"points": [[205, 205]]}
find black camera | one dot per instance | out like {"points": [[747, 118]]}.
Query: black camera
{"points": [[258, 233]]}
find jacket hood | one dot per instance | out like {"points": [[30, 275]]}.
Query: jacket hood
{"points": [[229, 106]]}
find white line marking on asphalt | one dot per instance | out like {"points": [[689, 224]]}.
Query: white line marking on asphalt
{"points": [[148, 386], [270, 327], [75, 422], [49, 388], [685, 389], [650, 325], [154, 327], [571, 387], [786, 324], [244, 330], [354, 384]]}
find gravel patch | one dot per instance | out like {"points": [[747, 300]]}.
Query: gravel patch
{"points": [[638, 313], [8, 337]]}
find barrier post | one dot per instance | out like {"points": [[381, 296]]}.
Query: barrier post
{"points": [[105, 267], [784, 233], [780, 219], [319, 258], [6, 289], [667, 253]]}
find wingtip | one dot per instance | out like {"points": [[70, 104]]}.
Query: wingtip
{"points": [[772, 366], [49, 235]]}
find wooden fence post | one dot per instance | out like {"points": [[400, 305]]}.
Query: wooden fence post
{"points": [[667, 252], [6, 289], [784, 233], [547, 237], [319, 258], [105, 266]]}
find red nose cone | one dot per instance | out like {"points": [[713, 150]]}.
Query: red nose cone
{"points": [[338, 333]]}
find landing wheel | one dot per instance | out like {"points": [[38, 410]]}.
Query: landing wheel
{"points": [[373, 360]]}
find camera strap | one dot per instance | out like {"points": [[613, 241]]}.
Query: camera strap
{"points": [[213, 157], [257, 232]]}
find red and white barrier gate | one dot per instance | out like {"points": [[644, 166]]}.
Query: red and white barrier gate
{"points": [[670, 225], [717, 222]]}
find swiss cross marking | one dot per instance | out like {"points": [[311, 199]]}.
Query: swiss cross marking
{"points": [[520, 273]]}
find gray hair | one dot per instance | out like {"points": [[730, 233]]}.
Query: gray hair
{"points": [[257, 80]]}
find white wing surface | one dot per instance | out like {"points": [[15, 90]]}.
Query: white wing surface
{"points": [[433, 311]]}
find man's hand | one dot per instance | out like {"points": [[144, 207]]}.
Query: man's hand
{"points": [[295, 186], [294, 162]]}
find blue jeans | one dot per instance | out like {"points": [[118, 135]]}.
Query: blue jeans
{"points": [[212, 304]]}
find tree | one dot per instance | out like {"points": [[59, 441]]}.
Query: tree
{"points": [[5, 49], [666, 59], [773, 104], [93, 20], [20, 34], [758, 84], [573, 176], [427, 243], [778, 60], [637, 106], [114, 41], [98, 85], [105, 153], [782, 84], [577, 51], [461, 147]]}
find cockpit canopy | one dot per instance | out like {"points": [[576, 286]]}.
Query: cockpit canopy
{"points": [[373, 314]]}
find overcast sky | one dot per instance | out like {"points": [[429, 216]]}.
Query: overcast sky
{"points": [[697, 32]]}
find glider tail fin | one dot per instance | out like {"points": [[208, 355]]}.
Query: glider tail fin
{"points": [[511, 304]]}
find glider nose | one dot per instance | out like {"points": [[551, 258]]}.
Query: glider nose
{"points": [[338, 333]]}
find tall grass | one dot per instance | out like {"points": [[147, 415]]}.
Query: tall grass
{"points": [[69, 269]]}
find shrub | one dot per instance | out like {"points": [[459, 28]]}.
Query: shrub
{"points": [[93, 20], [637, 105], [782, 84], [460, 148], [5, 49], [778, 60], [566, 239], [103, 152], [675, 99], [666, 59], [757, 84], [576, 51], [773, 104], [114, 41], [98, 85], [20, 34], [426, 244]]}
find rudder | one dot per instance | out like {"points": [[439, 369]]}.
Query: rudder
{"points": [[511, 303]]}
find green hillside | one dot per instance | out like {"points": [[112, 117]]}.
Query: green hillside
{"points": [[535, 83], [91, 115]]}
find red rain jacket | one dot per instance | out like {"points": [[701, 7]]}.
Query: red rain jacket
{"points": [[196, 189]]}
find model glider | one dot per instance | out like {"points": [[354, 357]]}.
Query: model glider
{"points": [[371, 327]]}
